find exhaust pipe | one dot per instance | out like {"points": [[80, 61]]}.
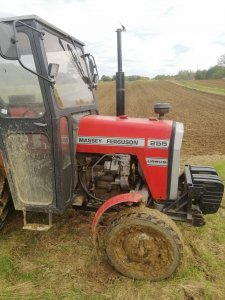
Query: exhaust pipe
{"points": [[120, 90]]}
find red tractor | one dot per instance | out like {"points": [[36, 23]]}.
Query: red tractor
{"points": [[58, 152]]}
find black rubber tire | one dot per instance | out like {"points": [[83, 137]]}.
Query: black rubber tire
{"points": [[143, 243], [5, 201]]}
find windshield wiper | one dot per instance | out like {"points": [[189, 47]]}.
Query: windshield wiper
{"points": [[61, 44], [78, 65]]}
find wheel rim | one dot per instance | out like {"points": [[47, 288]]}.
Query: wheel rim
{"points": [[142, 251]]}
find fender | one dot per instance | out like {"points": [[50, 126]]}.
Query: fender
{"points": [[121, 198]]}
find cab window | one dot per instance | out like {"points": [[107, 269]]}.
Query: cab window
{"points": [[72, 87], [20, 95]]}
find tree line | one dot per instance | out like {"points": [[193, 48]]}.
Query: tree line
{"points": [[215, 72], [127, 78]]}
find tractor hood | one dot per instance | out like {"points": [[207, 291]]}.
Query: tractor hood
{"points": [[120, 131], [156, 143]]}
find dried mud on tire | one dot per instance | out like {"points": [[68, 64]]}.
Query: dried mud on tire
{"points": [[143, 243], [201, 113]]}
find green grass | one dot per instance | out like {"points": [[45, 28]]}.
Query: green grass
{"points": [[6, 267], [190, 271], [220, 167], [203, 88]]}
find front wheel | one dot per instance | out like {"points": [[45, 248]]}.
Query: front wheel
{"points": [[143, 243]]}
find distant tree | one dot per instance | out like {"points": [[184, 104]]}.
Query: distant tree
{"points": [[185, 75], [128, 78], [163, 77], [221, 60], [144, 78], [106, 78], [136, 77], [216, 72], [200, 74]]}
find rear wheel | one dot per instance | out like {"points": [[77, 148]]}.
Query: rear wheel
{"points": [[5, 200], [144, 244]]}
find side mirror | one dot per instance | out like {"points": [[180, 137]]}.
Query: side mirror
{"points": [[93, 70], [7, 42], [53, 70], [91, 65], [95, 80]]}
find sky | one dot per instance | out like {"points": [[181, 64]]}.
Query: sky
{"points": [[162, 36]]}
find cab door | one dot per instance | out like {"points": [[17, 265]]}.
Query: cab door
{"points": [[26, 135], [72, 97]]}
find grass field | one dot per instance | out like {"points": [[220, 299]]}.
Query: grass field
{"points": [[209, 86], [63, 264]]}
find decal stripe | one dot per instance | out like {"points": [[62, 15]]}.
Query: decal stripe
{"points": [[111, 141], [156, 162]]}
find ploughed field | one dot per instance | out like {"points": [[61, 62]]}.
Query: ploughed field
{"points": [[203, 114]]}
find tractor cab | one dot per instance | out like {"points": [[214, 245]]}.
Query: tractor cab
{"points": [[46, 86]]}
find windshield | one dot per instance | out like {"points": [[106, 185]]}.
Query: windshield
{"points": [[72, 87], [20, 93]]}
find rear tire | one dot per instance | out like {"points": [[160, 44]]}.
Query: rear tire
{"points": [[5, 200], [144, 243]]}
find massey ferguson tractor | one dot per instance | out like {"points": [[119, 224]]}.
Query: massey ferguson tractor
{"points": [[58, 152]]}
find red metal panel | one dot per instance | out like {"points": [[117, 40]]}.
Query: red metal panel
{"points": [[98, 127], [128, 197]]}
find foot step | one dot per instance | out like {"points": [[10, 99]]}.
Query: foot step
{"points": [[36, 226]]}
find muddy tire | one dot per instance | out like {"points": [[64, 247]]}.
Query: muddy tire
{"points": [[144, 243], [5, 201]]}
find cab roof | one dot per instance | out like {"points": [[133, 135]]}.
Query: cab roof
{"points": [[41, 21]]}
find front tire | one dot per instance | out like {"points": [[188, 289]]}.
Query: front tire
{"points": [[144, 243]]}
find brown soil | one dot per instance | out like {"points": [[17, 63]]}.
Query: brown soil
{"points": [[201, 113]]}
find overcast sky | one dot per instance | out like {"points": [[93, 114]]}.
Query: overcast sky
{"points": [[162, 36]]}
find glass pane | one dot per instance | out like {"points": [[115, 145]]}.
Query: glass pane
{"points": [[71, 88], [65, 146], [8, 49], [30, 164], [66, 167], [25, 51], [20, 93]]}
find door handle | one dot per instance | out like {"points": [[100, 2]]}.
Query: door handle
{"points": [[40, 124]]}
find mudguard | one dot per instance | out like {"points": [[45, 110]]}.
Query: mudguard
{"points": [[121, 198]]}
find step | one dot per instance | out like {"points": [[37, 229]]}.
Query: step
{"points": [[37, 227]]}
